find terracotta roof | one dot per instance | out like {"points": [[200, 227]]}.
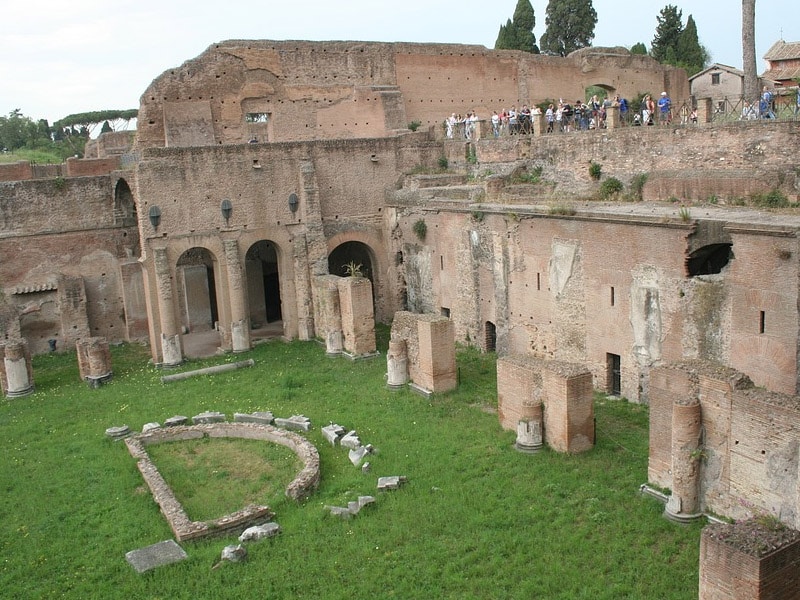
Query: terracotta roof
{"points": [[783, 51], [782, 74]]}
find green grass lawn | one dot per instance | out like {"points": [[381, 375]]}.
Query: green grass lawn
{"points": [[477, 519]]}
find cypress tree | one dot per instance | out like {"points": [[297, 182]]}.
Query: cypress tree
{"points": [[517, 33], [570, 26]]}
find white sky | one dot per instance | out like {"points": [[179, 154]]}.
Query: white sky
{"points": [[59, 58]]}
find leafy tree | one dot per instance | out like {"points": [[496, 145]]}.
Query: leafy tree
{"points": [[570, 26], [689, 53], [668, 31], [517, 33], [639, 48], [749, 49]]}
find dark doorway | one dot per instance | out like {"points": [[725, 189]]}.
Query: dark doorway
{"points": [[490, 333], [355, 253], [614, 375], [263, 283]]}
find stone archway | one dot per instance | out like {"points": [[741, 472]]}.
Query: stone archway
{"points": [[355, 253], [264, 289], [197, 277]]}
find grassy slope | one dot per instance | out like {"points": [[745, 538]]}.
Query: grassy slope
{"points": [[477, 519]]}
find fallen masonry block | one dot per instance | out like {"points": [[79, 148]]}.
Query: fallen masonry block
{"points": [[118, 433], [150, 427], [392, 482], [208, 417], [296, 422], [259, 532], [265, 418], [176, 420], [332, 433], [357, 455], [350, 440], [353, 507], [156, 555], [236, 553]]}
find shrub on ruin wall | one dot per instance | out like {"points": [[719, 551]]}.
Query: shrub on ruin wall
{"points": [[610, 188]]}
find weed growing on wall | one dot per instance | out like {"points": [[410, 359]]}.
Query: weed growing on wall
{"points": [[420, 229]]}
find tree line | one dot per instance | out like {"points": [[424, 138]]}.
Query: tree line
{"points": [[66, 137], [570, 26]]}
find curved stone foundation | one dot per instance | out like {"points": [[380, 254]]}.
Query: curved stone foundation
{"points": [[306, 481]]}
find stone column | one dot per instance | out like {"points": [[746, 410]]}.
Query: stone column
{"points": [[171, 352], [94, 360], [612, 117], [539, 124], [529, 428], [17, 373], [332, 318], [705, 110], [237, 293], [397, 364], [684, 503]]}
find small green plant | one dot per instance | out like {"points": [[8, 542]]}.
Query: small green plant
{"points": [[772, 199], [414, 125], [528, 176], [59, 183], [636, 189], [685, 214], [443, 163], [472, 157], [353, 269], [477, 215], [595, 170], [562, 210], [712, 199], [420, 229], [698, 454], [610, 188]]}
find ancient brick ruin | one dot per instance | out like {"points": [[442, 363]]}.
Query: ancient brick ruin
{"points": [[260, 170]]}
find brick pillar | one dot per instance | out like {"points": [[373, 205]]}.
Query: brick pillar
{"points": [[705, 110], [330, 319], [357, 314], [612, 117], [16, 370], [94, 360], [437, 354], [684, 503], [171, 351], [539, 124], [237, 296]]}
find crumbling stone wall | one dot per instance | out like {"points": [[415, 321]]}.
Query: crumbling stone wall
{"points": [[747, 457], [430, 350], [340, 90], [564, 390]]}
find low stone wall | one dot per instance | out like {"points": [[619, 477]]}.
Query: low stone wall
{"points": [[183, 527]]}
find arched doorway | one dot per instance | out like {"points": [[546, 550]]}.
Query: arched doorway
{"points": [[356, 254], [197, 281], [264, 289], [124, 206]]}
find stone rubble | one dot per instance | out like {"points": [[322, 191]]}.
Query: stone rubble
{"points": [[296, 422]]}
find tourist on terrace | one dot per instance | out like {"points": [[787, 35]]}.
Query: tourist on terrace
{"points": [[664, 109]]}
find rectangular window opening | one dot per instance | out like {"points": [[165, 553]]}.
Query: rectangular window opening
{"points": [[441, 262], [445, 312], [762, 322], [614, 374], [256, 117], [612, 295], [715, 78], [538, 281]]}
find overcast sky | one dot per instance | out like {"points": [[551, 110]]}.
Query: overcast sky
{"points": [[59, 58]]}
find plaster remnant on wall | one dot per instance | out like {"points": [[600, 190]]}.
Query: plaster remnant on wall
{"points": [[419, 278], [562, 262], [646, 318]]}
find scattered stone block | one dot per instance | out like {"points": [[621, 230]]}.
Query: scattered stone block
{"points": [[392, 482], [353, 507], [296, 422], [265, 418], [357, 455], [157, 555], [236, 553], [176, 421], [259, 532], [332, 433], [350, 440], [366, 467], [118, 433], [150, 427], [208, 417]]}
